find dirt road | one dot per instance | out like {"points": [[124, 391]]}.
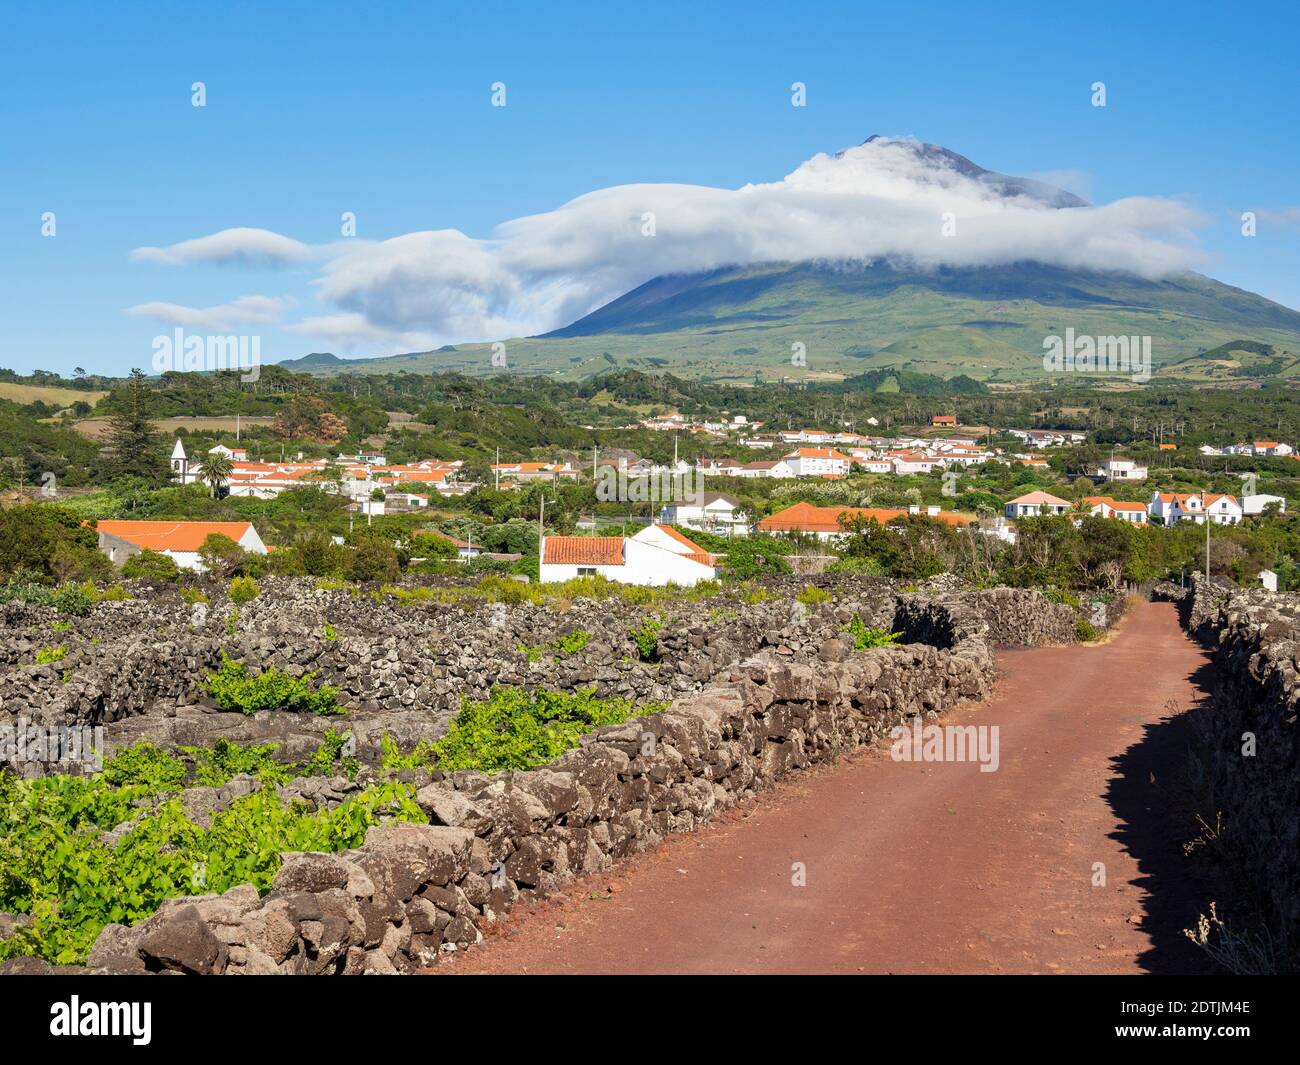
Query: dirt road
{"points": [[927, 867]]}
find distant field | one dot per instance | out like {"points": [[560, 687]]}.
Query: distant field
{"points": [[57, 397], [97, 428]]}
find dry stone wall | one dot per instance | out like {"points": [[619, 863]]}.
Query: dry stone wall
{"points": [[412, 893], [758, 691], [1255, 638]]}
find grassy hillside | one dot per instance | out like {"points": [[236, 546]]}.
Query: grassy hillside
{"points": [[49, 394], [1236, 362], [740, 325]]}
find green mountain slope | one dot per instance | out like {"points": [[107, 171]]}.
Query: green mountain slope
{"points": [[988, 323]]}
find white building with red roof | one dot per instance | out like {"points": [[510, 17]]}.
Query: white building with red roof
{"points": [[1037, 505], [817, 461], [180, 540], [656, 556]]}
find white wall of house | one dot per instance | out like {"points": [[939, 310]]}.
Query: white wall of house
{"points": [[815, 465], [644, 563], [1253, 505]]}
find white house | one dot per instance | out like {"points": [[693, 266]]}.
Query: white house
{"points": [[905, 462], [1222, 509], [1120, 470], [180, 540], [1270, 448], [1173, 507], [1036, 505], [1253, 506], [779, 468], [817, 461], [1105, 507], [711, 512], [656, 556]]}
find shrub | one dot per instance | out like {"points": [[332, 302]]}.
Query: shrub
{"points": [[646, 638], [146, 765], [56, 868], [151, 566], [518, 729], [46, 655], [1084, 631], [243, 590], [813, 596], [755, 556], [216, 765], [391, 757], [234, 689], [1059, 595], [335, 750], [374, 560], [331, 633], [73, 599], [864, 637], [858, 565], [571, 643], [221, 556]]}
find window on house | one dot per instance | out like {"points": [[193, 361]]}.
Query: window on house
{"points": [[586, 571]]}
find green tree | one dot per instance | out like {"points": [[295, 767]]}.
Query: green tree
{"points": [[132, 441], [215, 470], [221, 556], [151, 566]]}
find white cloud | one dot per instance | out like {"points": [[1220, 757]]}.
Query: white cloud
{"points": [[884, 200], [349, 332], [246, 246], [261, 310]]}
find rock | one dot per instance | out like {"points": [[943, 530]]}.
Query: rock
{"points": [[310, 871], [181, 940]]}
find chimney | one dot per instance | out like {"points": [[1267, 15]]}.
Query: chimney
{"points": [[932, 510], [914, 508]]}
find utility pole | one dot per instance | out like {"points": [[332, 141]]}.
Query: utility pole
{"points": [[496, 469], [1207, 544], [541, 533]]}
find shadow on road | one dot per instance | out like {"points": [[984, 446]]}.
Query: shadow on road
{"points": [[1149, 796]]}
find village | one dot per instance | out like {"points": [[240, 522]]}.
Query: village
{"points": [[679, 501]]}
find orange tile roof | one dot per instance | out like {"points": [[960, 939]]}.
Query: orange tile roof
{"points": [[817, 453], [1047, 498], [805, 517], [584, 551], [413, 476], [695, 551], [172, 535]]}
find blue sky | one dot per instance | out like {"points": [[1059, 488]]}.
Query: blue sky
{"points": [[384, 110]]}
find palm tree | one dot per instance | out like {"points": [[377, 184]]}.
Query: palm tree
{"points": [[215, 470]]}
